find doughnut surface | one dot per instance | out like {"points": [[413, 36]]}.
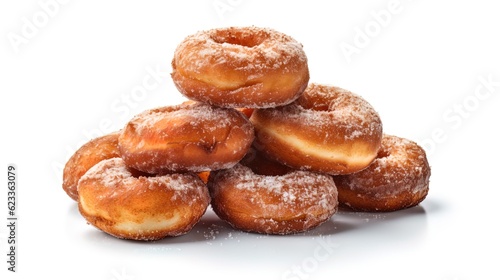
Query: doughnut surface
{"points": [[191, 136], [85, 157], [397, 179], [240, 67], [129, 205], [328, 129], [277, 203]]}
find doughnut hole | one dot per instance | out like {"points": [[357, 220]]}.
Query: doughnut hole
{"points": [[237, 37], [383, 153]]}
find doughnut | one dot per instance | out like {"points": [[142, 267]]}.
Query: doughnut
{"points": [[85, 157], [327, 129], [192, 136], [397, 179], [132, 205], [240, 67], [284, 201]]}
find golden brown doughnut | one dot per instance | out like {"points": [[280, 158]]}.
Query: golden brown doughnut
{"points": [[397, 179], [284, 201], [328, 129], [85, 157], [191, 136], [240, 67], [134, 206]]}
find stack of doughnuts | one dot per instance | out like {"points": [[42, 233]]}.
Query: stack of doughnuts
{"points": [[269, 151]]}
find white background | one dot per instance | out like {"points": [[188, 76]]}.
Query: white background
{"points": [[72, 71]]}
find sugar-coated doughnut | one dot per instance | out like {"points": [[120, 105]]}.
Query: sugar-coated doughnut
{"points": [[130, 205], [85, 157], [240, 67], [192, 136], [328, 129], [284, 201], [397, 179]]}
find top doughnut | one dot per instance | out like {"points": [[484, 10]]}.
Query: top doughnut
{"points": [[235, 67]]}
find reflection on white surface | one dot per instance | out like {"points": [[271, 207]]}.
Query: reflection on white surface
{"points": [[346, 239], [213, 231]]}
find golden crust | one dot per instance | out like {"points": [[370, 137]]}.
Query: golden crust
{"points": [[85, 157], [192, 137], [240, 67], [397, 179], [286, 202], [204, 176], [327, 129], [246, 111], [133, 206]]}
